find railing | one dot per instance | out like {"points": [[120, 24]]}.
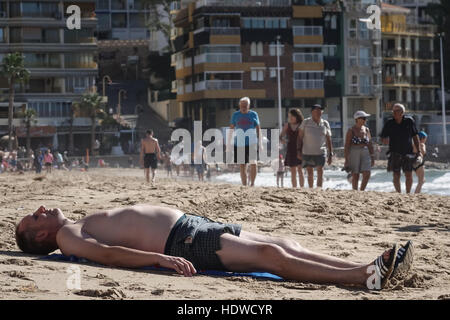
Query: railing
{"points": [[397, 80], [218, 58], [307, 31], [220, 31], [390, 27], [219, 85], [308, 84], [308, 57], [187, 62], [243, 3]]}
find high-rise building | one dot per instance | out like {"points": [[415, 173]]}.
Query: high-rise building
{"points": [[411, 67], [60, 61], [225, 50]]}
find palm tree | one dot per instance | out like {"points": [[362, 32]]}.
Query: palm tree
{"points": [[91, 106], [28, 118], [14, 70]]}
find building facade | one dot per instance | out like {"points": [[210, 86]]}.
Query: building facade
{"points": [[60, 61], [225, 50], [411, 67]]}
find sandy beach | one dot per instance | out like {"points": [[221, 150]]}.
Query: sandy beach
{"points": [[353, 225]]}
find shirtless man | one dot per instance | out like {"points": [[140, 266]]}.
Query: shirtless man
{"points": [[141, 236], [150, 154]]}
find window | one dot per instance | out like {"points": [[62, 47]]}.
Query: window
{"points": [[353, 59], [259, 49], [137, 20], [273, 49], [352, 29], [103, 21], [2, 37], [363, 31], [334, 22], [247, 23], [102, 5], [364, 57], [253, 49], [119, 4], [257, 75], [119, 20]]}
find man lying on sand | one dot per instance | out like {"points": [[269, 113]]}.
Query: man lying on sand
{"points": [[157, 236]]}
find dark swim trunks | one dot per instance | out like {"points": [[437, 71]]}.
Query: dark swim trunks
{"points": [[150, 161], [197, 239]]}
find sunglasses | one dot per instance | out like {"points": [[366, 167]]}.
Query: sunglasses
{"points": [[363, 118]]}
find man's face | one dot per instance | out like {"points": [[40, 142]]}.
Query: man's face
{"points": [[397, 113], [316, 113], [243, 105], [42, 219]]}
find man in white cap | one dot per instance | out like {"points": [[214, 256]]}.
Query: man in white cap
{"points": [[400, 133], [314, 140]]}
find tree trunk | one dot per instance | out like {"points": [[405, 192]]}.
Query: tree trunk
{"points": [[10, 113], [92, 136]]}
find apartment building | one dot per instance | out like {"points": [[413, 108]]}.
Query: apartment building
{"points": [[225, 50], [61, 63], [418, 7], [362, 65], [411, 67]]}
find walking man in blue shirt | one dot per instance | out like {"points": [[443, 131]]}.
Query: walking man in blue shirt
{"points": [[246, 140]]}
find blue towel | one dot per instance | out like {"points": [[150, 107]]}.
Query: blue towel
{"points": [[216, 273]]}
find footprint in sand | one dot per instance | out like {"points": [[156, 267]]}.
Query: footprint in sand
{"points": [[107, 294]]}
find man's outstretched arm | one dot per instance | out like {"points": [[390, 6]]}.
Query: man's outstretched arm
{"points": [[89, 248]]}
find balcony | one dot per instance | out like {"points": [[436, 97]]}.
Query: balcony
{"points": [[397, 80], [188, 88], [308, 84], [228, 31], [307, 31], [218, 58], [219, 85], [243, 3], [308, 57]]}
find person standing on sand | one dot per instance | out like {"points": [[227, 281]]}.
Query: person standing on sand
{"points": [[359, 153], [291, 131], [247, 148], [400, 133], [314, 140], [150, 154], [48, 161], [199, 159], [419, 166]]}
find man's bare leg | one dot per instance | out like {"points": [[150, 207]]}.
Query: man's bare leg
{"points": [[243, 255], [310, 171], [409, 181], [153, 175], [294, 248], [243, 168], [294, 177], [253, 171], [319, 177], [147, 174], [397, 186]]}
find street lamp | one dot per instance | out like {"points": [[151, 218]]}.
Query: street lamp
{"points": [[104, 84], [279, 84], [119, 105], [444, 120]]}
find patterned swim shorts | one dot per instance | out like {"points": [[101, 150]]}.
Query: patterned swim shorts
{"points": [[197, 239]]}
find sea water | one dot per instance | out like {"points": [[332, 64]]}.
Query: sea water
{"points": [[437, 181]]}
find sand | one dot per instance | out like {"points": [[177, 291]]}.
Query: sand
{"points": [[353, 225]]}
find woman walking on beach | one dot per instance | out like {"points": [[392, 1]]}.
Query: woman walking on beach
{"points": [[48, 160], [291, 131], [359, 152], [419, 167]]}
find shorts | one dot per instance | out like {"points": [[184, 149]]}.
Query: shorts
{"points": [[200, 168], [360, 160], [313, 160], [250, 153], [280, 174], [419, 166], [48, 164], [398, 162], [197, 239], [150, 161]]}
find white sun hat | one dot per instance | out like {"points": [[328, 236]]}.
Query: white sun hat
{"points": [[360, 114]]}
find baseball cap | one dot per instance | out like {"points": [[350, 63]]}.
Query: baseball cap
{"points": [[422, 134], [360, 114], [317, 106]]}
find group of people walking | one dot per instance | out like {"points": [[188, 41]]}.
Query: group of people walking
{"points": [[309, 146]]}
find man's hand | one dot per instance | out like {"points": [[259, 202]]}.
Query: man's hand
{"points": [[180, 265], [299, 156], [330, 159]]}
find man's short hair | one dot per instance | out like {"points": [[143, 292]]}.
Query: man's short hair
{"points": [[150, 131], [399, 105], [27, 243], [247, 99]]}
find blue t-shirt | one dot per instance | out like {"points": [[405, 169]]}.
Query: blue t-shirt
{"points": [[245, 121]]}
